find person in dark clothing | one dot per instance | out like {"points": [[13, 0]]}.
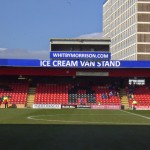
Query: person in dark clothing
{"points": [[0, 101]]}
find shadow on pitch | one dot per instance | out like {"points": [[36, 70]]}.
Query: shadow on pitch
{"points": [[74, 137]]}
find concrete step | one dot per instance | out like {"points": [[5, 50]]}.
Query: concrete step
{"points": [[124, 97], [30, 96], [30, 101], [124, 100], [29, 105], [31, 92]]}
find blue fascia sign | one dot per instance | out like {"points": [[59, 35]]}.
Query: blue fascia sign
{"points": [[80, 55], [73, 63], [79, 63]]}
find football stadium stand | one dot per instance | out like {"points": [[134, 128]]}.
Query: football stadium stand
{"points": [[66, 94], [16, 92], [51, 94], [74, 94], [79, 72], [141, 94]]}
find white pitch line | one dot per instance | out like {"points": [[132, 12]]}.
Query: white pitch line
{"points": [[85, 122], [136, 114]]}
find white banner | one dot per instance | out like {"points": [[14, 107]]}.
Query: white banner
{"points": [[68, 106], [142, 107], [47, 106], [113, 107]]}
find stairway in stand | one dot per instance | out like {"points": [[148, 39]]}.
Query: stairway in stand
{"points": [[30, 97], [124, 99]]}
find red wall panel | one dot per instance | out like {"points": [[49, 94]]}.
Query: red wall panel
{"points": [[72, 72]]}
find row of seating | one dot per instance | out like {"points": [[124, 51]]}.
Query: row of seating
{"points": [[110, 100], [142, 95], [51, 94], [73, 95], [59, 94], [17, 92], [65, 94]]}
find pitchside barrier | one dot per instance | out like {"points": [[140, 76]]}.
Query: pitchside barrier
{"points": [[142, 107], [59, 106], [112, 107], [47, 106], [13, 106]]}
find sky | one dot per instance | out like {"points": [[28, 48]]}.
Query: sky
{"points": [[26, 26]]}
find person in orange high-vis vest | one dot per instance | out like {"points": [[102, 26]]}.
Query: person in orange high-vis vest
{"points": [[5, 101], [134, 103]]}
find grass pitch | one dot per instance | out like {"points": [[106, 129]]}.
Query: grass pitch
{"points": [[74, 129]]}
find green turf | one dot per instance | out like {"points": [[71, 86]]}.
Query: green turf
{"points": [[74, 129]]}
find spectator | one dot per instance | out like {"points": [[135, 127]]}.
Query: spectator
{"points": [[129, 96], [103, 96], [81, 101], [134, 103], [117, 94], [132, 96], [110, 93], [0, 101], [106, 96]]}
